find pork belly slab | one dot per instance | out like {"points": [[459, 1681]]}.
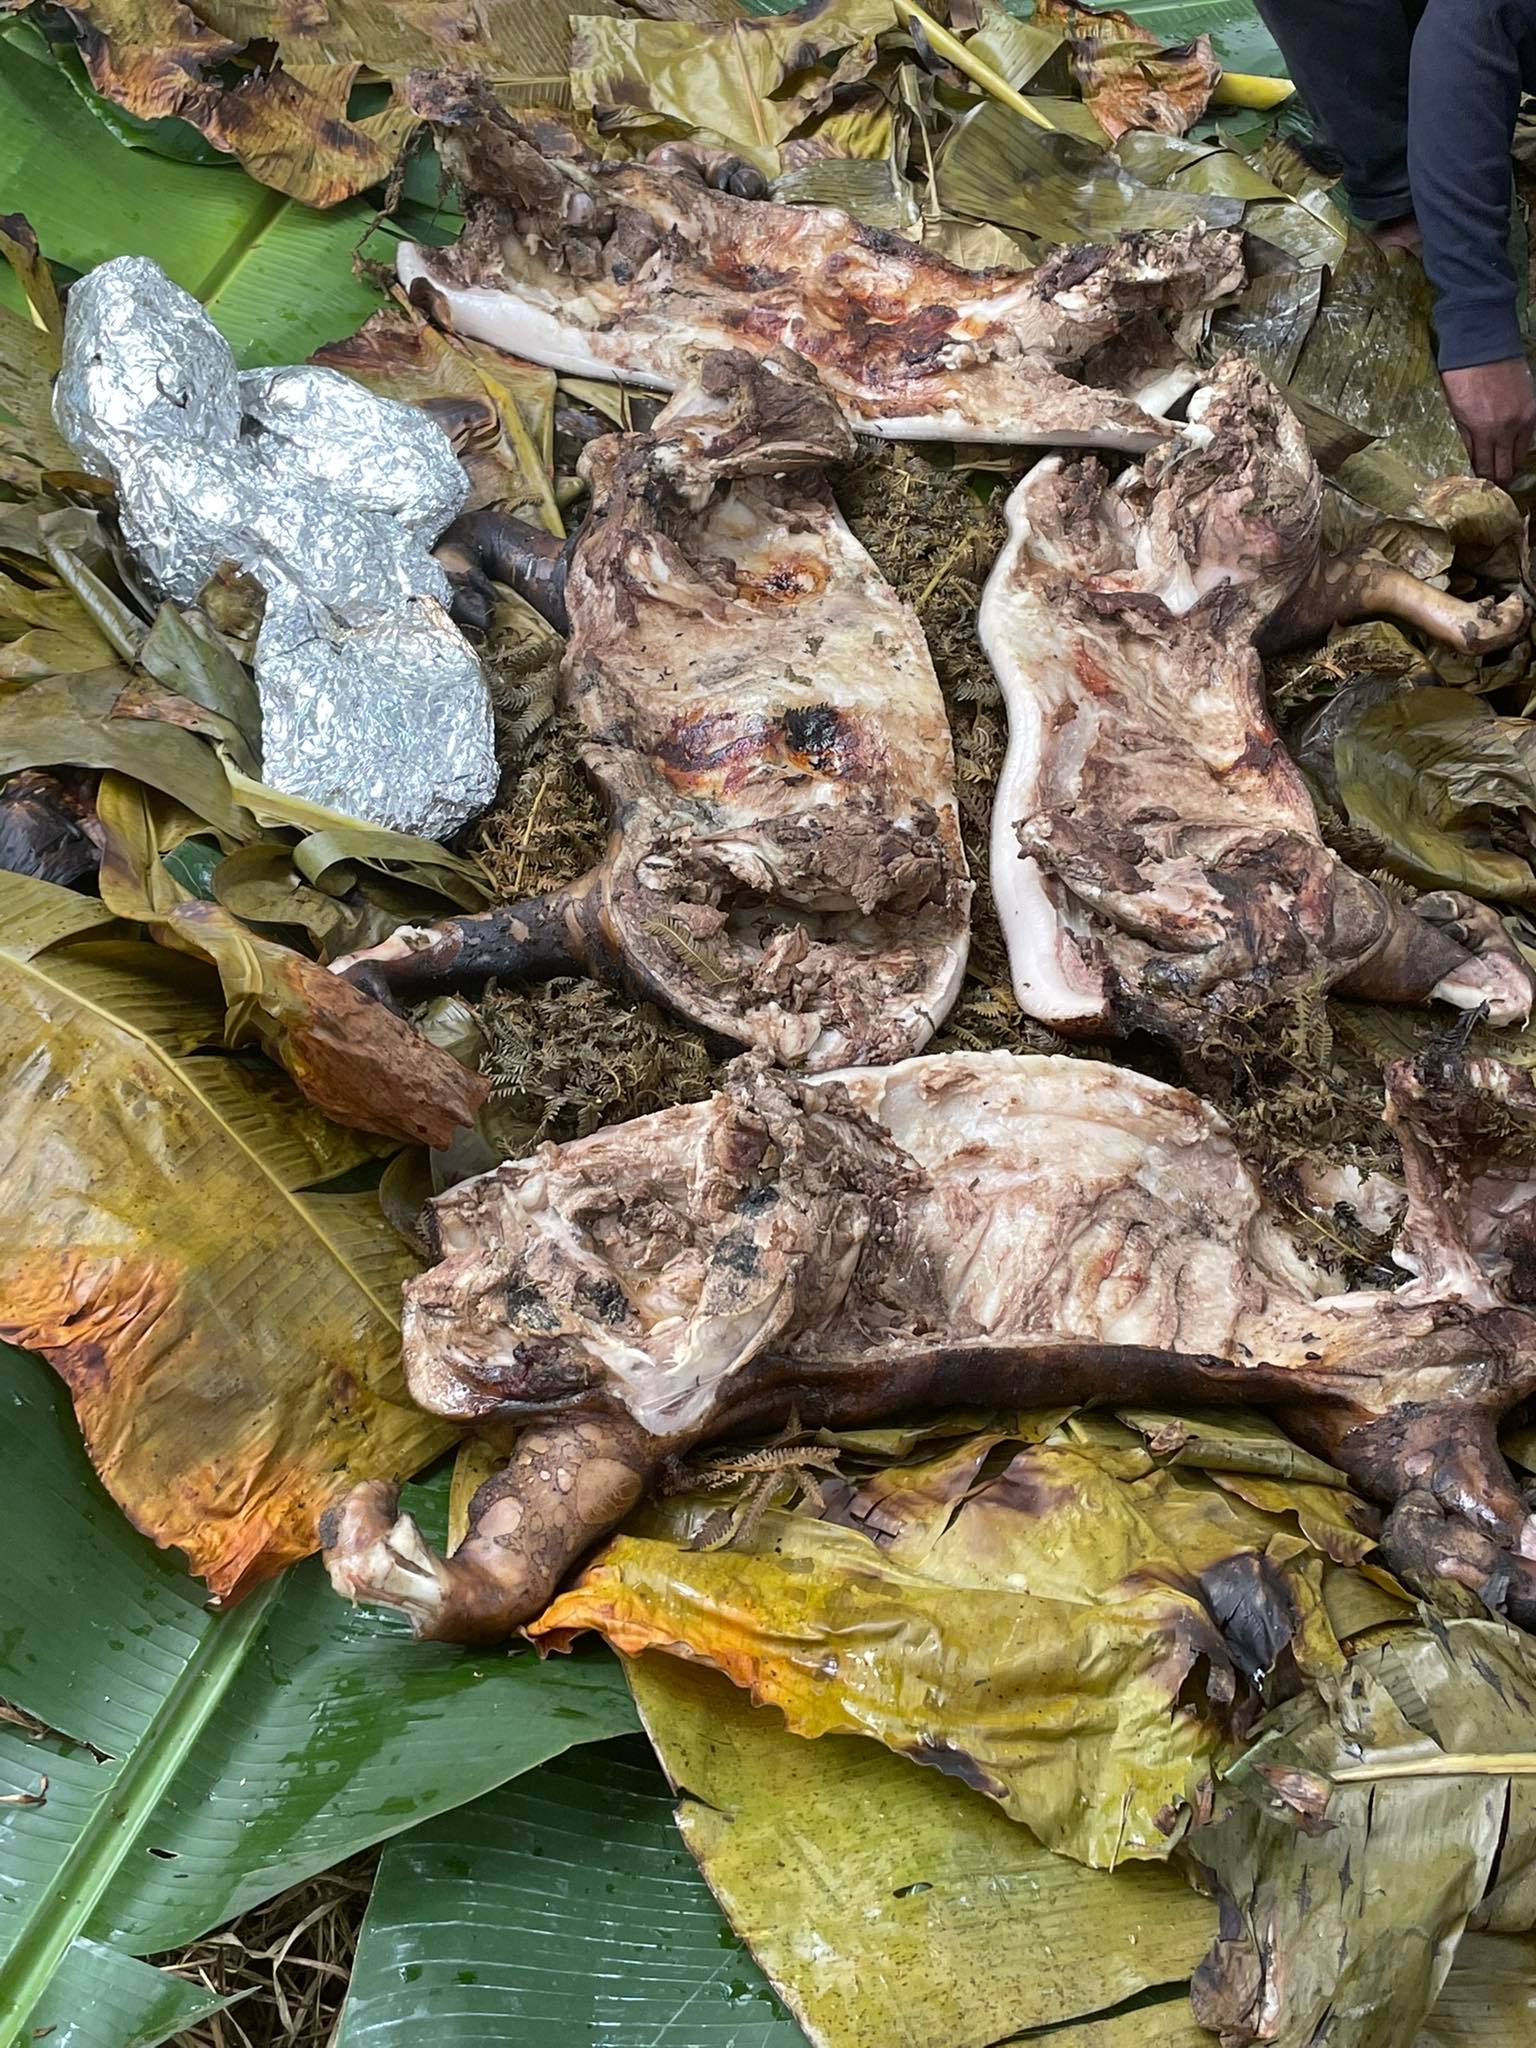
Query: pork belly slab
{"points": [[785, 867], [1154, 848], [966, 1229], [627, 270]]}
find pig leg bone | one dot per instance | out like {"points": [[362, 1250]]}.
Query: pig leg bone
{"points": [[568, 1483]]}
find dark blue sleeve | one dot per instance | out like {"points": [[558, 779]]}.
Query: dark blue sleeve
{"points": [[1463, 96]]}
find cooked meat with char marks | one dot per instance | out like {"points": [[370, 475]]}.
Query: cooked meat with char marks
{"points": [[785, 867], [1154, 848], [627, 270], [964, 1229]]}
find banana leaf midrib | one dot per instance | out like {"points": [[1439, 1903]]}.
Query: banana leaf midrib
{"points": [[127, 1802]]}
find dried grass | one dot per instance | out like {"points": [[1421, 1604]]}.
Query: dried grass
{"points": [[287, 1964]]}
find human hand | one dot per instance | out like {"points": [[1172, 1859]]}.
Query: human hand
{"points": [[1494, 407]]}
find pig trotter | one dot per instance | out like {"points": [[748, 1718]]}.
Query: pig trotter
{"points": [[567, 1484], [1344, 587], [488, 547]]}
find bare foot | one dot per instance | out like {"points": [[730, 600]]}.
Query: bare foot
{"points": [[1402, 233]]}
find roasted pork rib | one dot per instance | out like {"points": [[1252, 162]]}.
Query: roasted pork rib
{"points": [[1154, 848], [627, 270], [785, 867], [969, 1228]]}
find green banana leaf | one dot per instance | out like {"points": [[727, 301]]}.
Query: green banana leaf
{"points": [[1238, 35], [276, 276], [203, 1762], [560, 1911], [100, 1998], [996, 166]]}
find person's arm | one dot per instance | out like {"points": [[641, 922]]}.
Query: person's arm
{"points": [[1464, 94]]}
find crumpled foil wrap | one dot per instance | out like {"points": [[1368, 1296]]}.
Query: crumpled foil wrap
{"points": [[372, 701]]}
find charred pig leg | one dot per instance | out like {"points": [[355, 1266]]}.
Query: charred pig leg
{"points": [[487, 546], [977, 1228], [534, 940], [785, 869], [628, 270], [1154, 848]]}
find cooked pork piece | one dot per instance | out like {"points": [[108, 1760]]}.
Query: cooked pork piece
{"points": [[966, 1229], [785, 867], [627, 270], [1154, 848]]}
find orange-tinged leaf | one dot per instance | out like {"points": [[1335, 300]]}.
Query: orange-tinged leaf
{"points": [[1076, 1593], [230, 1341], [1126, 75], [351, 1057]]}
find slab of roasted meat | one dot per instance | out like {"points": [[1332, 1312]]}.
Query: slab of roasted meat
{"points": [[627, 270], [1154, 848], [962, 1229], [785, 866]]}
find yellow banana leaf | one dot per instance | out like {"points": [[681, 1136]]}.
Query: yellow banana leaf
{"points": [[1427, 775], [29, 357], [747, 84], [351, 1057], [996, 167], [287, 120], [1127, 77], [230, 1340], [892, 1905], [1028, 1618]]}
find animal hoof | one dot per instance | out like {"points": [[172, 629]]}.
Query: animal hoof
{"points": [[381, 1559], [1494, 973]]}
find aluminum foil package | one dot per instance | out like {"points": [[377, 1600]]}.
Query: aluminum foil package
{"points": [[373, 702]]}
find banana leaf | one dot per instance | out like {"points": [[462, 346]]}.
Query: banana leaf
{"points": [[1369, 358], [909, 1587], [559, 1911], [1427, 774], [276, 276], [1343, 1928], [1127, 76], [1237, 32], [286, 109], [29, 356], [853, 1880], [200, 1762], [77, 719], [230, 1340], [748, 84], [1024, 53], [1270, 320], [995, 166], [351, 1057], [156, 60], [873, 192]]}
